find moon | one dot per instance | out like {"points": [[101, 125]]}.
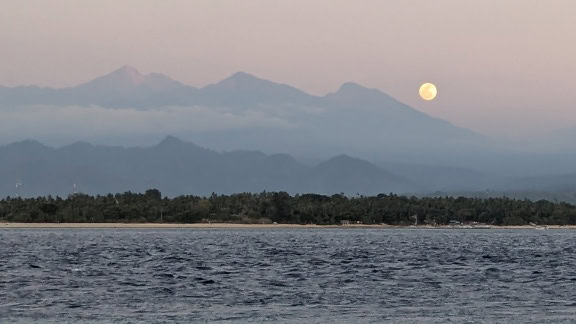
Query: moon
{"points": [[428, 91]]}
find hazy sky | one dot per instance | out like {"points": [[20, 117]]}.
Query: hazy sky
{"points": [[501, 66]]}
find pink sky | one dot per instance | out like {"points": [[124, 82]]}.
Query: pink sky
{"points": [[501, 67]]}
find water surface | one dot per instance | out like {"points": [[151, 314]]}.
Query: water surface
{"points": [[287, 275]]}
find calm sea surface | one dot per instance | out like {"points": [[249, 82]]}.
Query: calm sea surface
{"points": [[287, 275]]}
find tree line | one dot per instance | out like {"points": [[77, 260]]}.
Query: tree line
{"points": [[280, 207]]}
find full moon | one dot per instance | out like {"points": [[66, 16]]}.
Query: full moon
{"points": [[428, 91]]}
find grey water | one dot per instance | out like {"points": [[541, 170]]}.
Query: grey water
{"points": [[287, 276]]}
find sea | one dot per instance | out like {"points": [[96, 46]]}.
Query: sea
{"points": [[287, 276]]}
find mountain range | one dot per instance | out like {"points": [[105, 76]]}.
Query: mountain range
{"points": [[248, 112], [178, 168], [246, 120]]}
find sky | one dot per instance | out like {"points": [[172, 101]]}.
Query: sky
{"points": [[501, 67]]}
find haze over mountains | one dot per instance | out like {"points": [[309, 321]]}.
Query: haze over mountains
{"points": [[240, 112], [30, 168], [355, 140]]}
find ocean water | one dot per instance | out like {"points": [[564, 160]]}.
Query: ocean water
{"points": [[287, 276]]}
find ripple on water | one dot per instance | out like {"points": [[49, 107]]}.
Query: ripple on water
{"points": [[287, 275]]}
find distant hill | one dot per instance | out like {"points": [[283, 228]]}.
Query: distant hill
{"points": [[433, 178], [548, 183], [175, 167], [346, 174]]}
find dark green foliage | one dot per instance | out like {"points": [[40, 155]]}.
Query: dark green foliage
{"points": [[280, 207]]}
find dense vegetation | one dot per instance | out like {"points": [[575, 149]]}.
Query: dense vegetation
{"points": [[280, 207]]}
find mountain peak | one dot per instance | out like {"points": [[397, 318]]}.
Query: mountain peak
{"points": [[243, 76], [351, 86], [355, 89], [351, 93], [128, 84], [28, 146], [170, 141], [243, 81], [174, 144], [128, 69], [129, 74], [125, 77], [245, 89]]}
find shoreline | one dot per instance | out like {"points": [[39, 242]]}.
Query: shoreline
{"points": [[8, 225]]}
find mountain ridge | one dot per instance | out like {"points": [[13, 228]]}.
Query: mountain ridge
{"points": [[177, 168]]}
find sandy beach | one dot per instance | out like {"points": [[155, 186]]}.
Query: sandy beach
{"points": [[7, 225]]}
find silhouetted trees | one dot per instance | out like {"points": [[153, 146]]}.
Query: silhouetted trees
{"points": [[280, 207]]}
